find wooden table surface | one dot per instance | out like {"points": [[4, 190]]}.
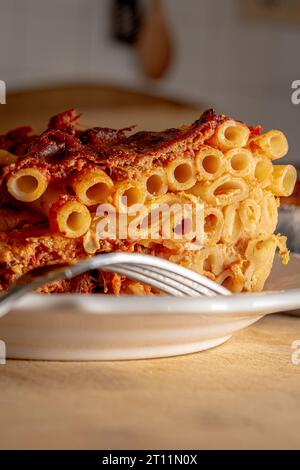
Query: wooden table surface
{"points": [[244, 394]]}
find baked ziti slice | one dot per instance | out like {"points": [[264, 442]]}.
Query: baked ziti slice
{"points": [[205, 196]]}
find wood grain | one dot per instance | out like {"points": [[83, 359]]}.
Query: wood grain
{"points": [[244, 394]]}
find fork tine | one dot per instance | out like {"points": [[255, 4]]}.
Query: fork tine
{"points": [[179, 282], [194, 287], [164, 277], [103, 261], [138, 276], [189, 275], [160, 263]]}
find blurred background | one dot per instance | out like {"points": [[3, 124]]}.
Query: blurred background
{"points": [[157, 63]]}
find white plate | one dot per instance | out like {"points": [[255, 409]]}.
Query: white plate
{"points": [[78, 327]]}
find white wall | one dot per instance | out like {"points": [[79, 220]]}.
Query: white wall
{"points": [[238, 66]]}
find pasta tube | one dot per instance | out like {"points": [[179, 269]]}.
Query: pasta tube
{"points": [[27, 184], [93, 187], [66, 214]]}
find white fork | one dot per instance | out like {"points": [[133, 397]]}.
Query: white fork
{"points": [[161, 274]]}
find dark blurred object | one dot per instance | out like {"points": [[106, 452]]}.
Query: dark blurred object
{"points": [[289, 219], [289, 225], [154, 43], [126, 20], [286, 11]]}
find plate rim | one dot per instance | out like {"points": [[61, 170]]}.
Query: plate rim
{"points": [[242, 304]]}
